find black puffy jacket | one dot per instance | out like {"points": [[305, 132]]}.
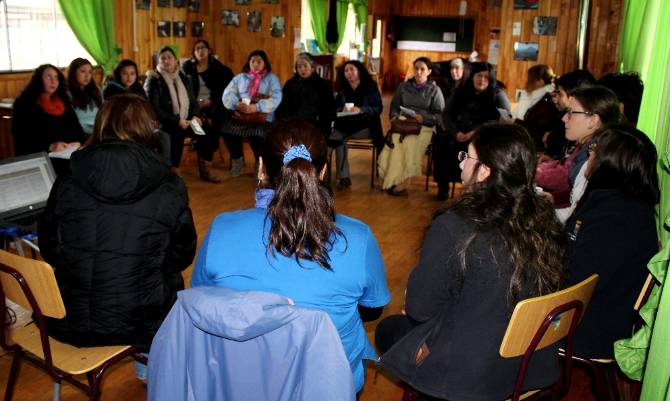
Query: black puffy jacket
{"points": [[118, 232]]}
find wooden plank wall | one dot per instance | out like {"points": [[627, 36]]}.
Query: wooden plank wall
{"points": [[604, 36], [234, 43], [401, 60]]}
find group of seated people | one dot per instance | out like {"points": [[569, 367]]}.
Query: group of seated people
{"points": [[119, 231]]}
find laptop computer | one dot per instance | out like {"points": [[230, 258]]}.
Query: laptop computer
{"points": [[25, 184]]}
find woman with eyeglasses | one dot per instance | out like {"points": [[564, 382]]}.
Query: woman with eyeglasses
{"points": [[613, 233], [296, 245], [208, 77], [589, 109], [497, 245]]}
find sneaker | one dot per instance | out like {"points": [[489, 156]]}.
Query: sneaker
{"points": [[237, 167]]}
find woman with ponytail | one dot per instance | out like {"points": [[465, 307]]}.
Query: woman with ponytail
{"points": [[499, 244], [294, 244]]}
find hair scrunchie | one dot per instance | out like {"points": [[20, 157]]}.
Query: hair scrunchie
{"points": [[296, 151]]}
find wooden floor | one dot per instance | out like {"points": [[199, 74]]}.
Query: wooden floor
{"points": [[397, 222]]}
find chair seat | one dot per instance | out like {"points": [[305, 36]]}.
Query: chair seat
{"points": [[65, 357], [362, 143]]}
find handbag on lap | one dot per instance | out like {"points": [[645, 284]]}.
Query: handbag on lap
{"points": [[404, 128], [256, 118]]}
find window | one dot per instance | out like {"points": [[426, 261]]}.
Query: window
{"points": [[34, 32], [353, 36]]}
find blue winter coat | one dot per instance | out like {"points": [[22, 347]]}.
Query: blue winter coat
{"points": [[221, 344]]}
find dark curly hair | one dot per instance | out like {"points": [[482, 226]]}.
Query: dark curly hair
{"points": [[506, 202], [35, 86]]}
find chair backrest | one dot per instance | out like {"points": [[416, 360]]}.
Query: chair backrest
{"points": [[39, 279], [644, 292], [530, 314]]}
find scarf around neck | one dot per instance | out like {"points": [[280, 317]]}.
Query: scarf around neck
{"points": [[255, 84], [178, 93], [53, 105]]}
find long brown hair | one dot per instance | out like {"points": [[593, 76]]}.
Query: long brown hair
{"points": [[301, 214], [81, 97], [126, 117], [506, 202]]}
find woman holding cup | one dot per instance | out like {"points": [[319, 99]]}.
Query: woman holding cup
{"points": [[361, 102], [252, 97]]}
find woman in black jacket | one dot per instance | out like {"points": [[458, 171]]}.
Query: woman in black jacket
{"points": [[613, 233], [499, 244], [43, 119], [118, 232], [360, 96], [170, 93], [124, 79], [475, 103], [209, 78], [308, 96]]}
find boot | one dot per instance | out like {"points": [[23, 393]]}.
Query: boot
{"points": [[205, 168], [237, 167]]}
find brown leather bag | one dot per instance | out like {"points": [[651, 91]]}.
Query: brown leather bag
{"points": [[402, 127], [256, 118]]}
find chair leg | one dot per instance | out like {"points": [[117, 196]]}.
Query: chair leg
{"points": [[56, 396], [13, 375]]}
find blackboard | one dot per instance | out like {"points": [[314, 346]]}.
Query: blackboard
{"points": [[430, 29]]}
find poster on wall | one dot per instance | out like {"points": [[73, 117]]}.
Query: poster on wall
{"points": [[179, 3], [545, 25], [179, 29], [143, 4], [163, 3], [196, 28], [163, 29], [193, 5], [254, 21], [230, 17], [271, 1], [242, 2], [277, 24], [526, 51], [526, 4]]}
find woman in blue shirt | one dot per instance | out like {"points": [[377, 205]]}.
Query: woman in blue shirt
{"points": [[294, 244]]}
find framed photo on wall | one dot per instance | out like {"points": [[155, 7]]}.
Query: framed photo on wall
{"points": [[254, 21], [526, 51], [526, 4], [163, 29], [197, 27], [193, 5], [277, 26], [163, 3], [230, 17], [179, 29], [545, 25], [143, 4], [179, 3]]}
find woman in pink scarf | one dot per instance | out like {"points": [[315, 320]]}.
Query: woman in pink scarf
{"points": [[252, 98]]}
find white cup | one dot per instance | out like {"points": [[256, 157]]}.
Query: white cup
{"points": [[348, 106], [246, 100]]}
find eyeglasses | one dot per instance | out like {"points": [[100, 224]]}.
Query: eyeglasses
{"points": [[462, 155], [570, 112]]}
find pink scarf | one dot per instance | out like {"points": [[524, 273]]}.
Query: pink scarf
{"points": [[256, 77]]}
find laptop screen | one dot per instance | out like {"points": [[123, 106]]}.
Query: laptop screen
{"points": [[25, 183]]}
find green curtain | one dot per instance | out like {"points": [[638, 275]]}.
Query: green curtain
{"points": [[318, 12], [644, 48], [92, 22]]}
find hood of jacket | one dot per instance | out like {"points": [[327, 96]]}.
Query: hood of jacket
{"points": [[236, 315], [117, 171]]}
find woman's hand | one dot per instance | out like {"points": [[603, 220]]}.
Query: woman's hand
{"points": [[183, 124], [355, 109], [58, 146], [246, 108], [205, 103], [418, 117]]}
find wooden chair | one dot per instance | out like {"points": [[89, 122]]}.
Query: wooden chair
{"points": [[32, 284], [605, 371], [529, 330], [363, 143], [542, 321]]}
